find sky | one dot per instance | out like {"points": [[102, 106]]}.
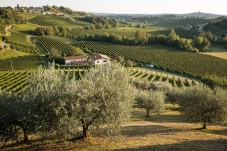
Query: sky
{"points": [[131, 6]]}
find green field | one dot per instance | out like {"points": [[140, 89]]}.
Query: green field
{"points": [[21, 63], [45, 20], [27, 15], [166, 58], [182, 22], [181, 32], [121, 31], [25, 28], [10, 53]]}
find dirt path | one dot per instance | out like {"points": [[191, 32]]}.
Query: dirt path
{"points": [[7, 30]]}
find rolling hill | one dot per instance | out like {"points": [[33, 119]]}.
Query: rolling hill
{"points": [[45, 20], [182, 22]]}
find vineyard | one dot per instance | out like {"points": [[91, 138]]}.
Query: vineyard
{"points": [[50, 44], [152, 76], [193, 64], [21, 63], [18, 41], [16, 81]]}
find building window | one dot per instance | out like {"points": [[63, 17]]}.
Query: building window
{"points": [[105, 61], [97, 61]]}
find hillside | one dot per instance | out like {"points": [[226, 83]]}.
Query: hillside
{"points": [[182, 22], [201, 15], [219, 27], [46, 20]]}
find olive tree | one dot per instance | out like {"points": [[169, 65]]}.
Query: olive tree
{"points": [[12, 118], [150, 100], [202, 104], [174, 95], [161, 86], [143, 84], [50, 104], [103, 97]]}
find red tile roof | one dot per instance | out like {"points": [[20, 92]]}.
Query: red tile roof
{"points": [[99, 56], [75, 57]]}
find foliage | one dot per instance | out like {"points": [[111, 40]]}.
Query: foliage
{"points": [[9, 16], [141, 37], [174, 40], [50, 104], [202, 104], [41, 31], [150, 100], [173, 96], [161, 86], [100, 100], [213, 81], [100, 22], [142, 84], [58, 105], [129, 63], [12, 118]]}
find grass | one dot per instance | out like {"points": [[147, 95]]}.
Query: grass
{"points": [[10, 53], [217, 52], [25, 28], [27, 15], [181, 32], [121, 31], [168, 131], [45, 20], [182, 22], [27, 62]]}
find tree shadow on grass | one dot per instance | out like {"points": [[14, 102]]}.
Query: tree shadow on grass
{"points": [[132, 131], [218, 132], [162, 118], [196, 145]]}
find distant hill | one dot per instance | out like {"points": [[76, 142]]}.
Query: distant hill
{"points": [[200, 15]]}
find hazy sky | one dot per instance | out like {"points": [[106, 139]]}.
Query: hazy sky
{"points": [[131, 6]]}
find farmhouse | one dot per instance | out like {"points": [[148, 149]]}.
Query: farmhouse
{"points": [[75, 60], [100, 59], [96, 59]]}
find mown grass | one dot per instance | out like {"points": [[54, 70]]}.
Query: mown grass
{"points": [[25, 28], [27, 15], [45, 20], [10, 53], [121, 31], [168, 131]]}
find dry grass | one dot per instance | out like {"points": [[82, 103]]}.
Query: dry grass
{"points": [[222, 55], [217, 52], [168, 131]]}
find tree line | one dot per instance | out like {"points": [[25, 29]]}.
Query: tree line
{"points": [[9, 16]]}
